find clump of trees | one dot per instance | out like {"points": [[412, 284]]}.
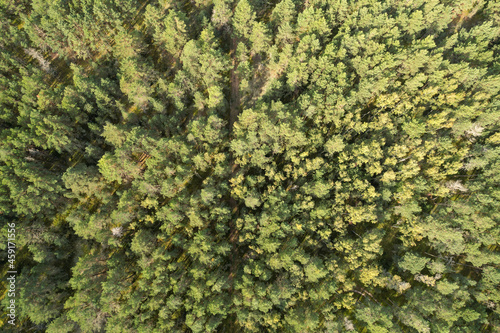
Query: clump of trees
{"points": [[252, 166]]}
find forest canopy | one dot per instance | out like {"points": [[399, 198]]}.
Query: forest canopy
{"points": [[251, 166]]}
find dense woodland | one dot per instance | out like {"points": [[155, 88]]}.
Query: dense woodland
{"points": [[251, 166]]}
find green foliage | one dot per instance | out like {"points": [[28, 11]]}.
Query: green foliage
{"points": [[252, 166]]}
